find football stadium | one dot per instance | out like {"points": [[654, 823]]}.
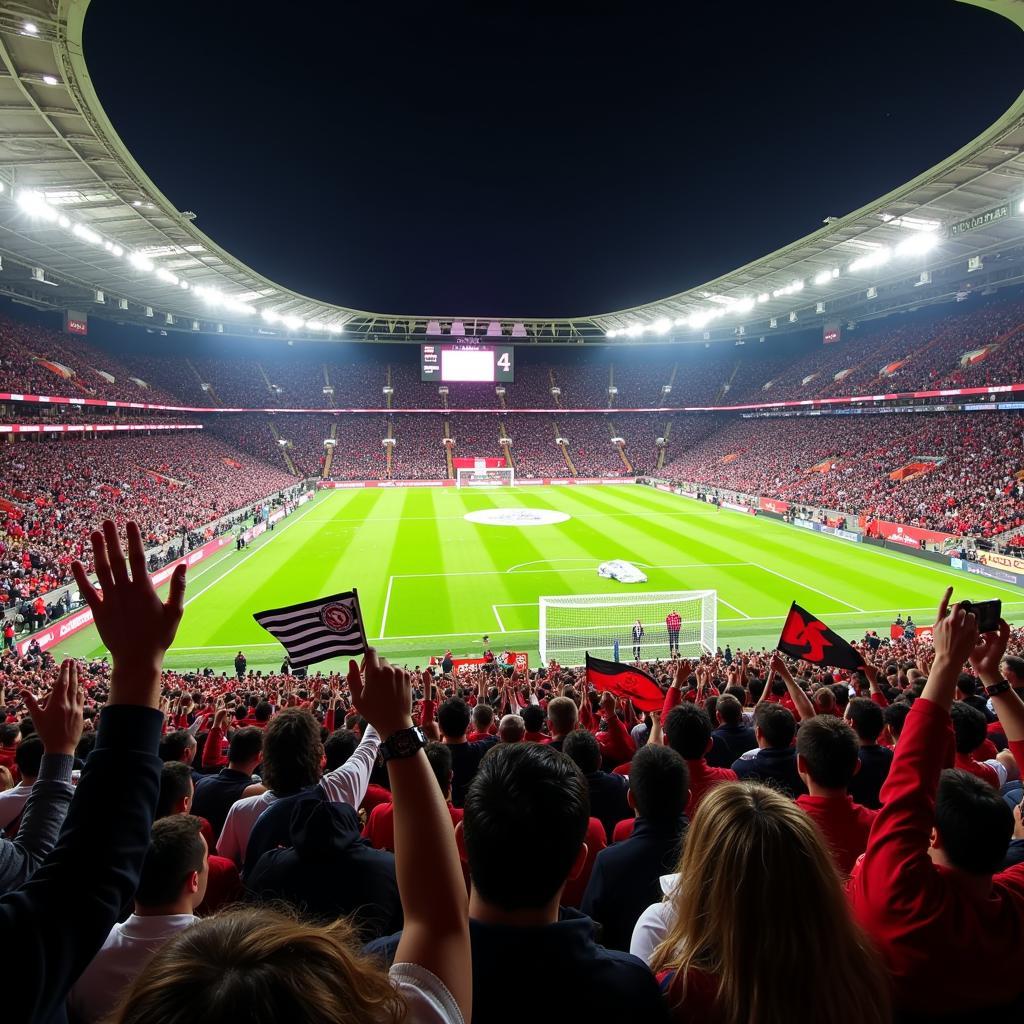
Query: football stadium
{"points": [[346, 655]]}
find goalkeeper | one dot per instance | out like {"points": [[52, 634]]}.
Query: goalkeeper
{"points": [[638, 635]]}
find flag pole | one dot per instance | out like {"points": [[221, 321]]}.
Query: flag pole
{"points": [[359, 618]]}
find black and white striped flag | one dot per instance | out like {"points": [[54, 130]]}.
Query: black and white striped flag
{"points": [[316, 630]]}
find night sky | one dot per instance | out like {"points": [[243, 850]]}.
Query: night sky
{"points": [[536, 164]]}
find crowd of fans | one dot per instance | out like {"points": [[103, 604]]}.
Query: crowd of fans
{"points": [[170, 483], [923, 350], [969, 483], [385, 844]]}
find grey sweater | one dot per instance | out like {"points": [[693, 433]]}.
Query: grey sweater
{"points": [[40, 822]]}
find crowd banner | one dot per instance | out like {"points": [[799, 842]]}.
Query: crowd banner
{"points": [[518, 660], [520, 482], [987, 571], [59, 631]]}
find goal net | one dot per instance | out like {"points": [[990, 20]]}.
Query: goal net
{"points": [[483, 477], [572, 626]]}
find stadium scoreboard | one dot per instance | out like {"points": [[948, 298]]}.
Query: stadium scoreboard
{"points": [[467, 361]]}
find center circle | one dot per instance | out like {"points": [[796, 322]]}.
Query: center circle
{"points": [[516, 517]]}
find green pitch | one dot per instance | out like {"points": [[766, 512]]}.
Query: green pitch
{"points": [[428, 579]]}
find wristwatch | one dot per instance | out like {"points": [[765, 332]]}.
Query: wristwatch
{"points": [[403, 743], [1001, 687]]}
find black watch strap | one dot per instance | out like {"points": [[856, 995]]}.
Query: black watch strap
{"points": [[1001, 687], [403, 743]]}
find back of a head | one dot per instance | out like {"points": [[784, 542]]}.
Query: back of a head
{"points": [[895, 715], [688, 730], [511, 729], [866, 717], [483, 717], [829, 749], [526, 815], [175, 785], [262, 967], [339, 747], [29, 756], [533, 717], [776, 723], [751, 854], [581, 747], [453, 718], [973, 821], [440, 757], [174, 745], [659, 780], [263, 711], [291, 751], [245, 745], [9, 733], [841, 693], [969, 727], [563, 715], [729, 710], [176, 850]]}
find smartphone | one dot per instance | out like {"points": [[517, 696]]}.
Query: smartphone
{"points": [[987, 613]]}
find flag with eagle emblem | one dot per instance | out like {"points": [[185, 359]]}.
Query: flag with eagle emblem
{"points": [[804, 636], [316, 630]]}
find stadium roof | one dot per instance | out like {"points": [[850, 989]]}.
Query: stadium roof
{"points": [[83, 228]]}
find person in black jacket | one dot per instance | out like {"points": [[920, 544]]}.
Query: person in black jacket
{"points": [[625, 879], [95, 866], [326, 870], [733, 737], [215, 794], [527, 798], [609, 802], [868, 721]]}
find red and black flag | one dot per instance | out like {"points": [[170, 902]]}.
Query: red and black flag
{"points": [[804, 636], [625, 681]]}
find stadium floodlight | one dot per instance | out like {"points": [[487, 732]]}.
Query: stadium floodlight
{"points": [[763, 297], [86, 234], [30, 28], [570, 626], [744, 305], [826, 276], [165, 275], [35, 205], [662, 325], [140, 262], [269, 315], [880, 256], [293, 323], [917, 244], [49, 79]]}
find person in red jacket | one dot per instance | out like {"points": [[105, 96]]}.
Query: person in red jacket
{"points": [[929, 888], [826, 758], [687, 730], [673, 623]]}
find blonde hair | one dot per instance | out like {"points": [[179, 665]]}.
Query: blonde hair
{"points": [[760, 908], [261, 967]]}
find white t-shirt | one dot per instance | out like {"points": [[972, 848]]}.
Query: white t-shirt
{"points": [[12, 803], [651, 929], [428, 998]]}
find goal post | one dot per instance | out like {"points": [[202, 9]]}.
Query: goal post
{"points": [[485, 477], [570, 626]]}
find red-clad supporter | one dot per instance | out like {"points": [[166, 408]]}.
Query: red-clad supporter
{"points": [[930, 878]]}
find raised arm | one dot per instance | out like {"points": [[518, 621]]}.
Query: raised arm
{"points": [[106, 832], [430, 880], [986, 659], [802, 703], [58, 722]]}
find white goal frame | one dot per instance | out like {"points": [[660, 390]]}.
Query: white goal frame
{"points": [[568, 637], [468, 476]]}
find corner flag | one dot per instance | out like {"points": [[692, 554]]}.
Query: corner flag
{"points": [[316, 630]]}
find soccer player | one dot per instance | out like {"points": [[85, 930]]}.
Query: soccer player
{"points": [[638, 635], [674, 624]]}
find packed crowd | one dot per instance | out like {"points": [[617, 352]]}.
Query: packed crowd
{"points": [[383, 844], [53, 491], [845, 463], [967, 345]]}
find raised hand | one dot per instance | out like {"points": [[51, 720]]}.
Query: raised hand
{"points": [[956, 632], [58, 716], [135, 625], [382, 694], [988, 654]]}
